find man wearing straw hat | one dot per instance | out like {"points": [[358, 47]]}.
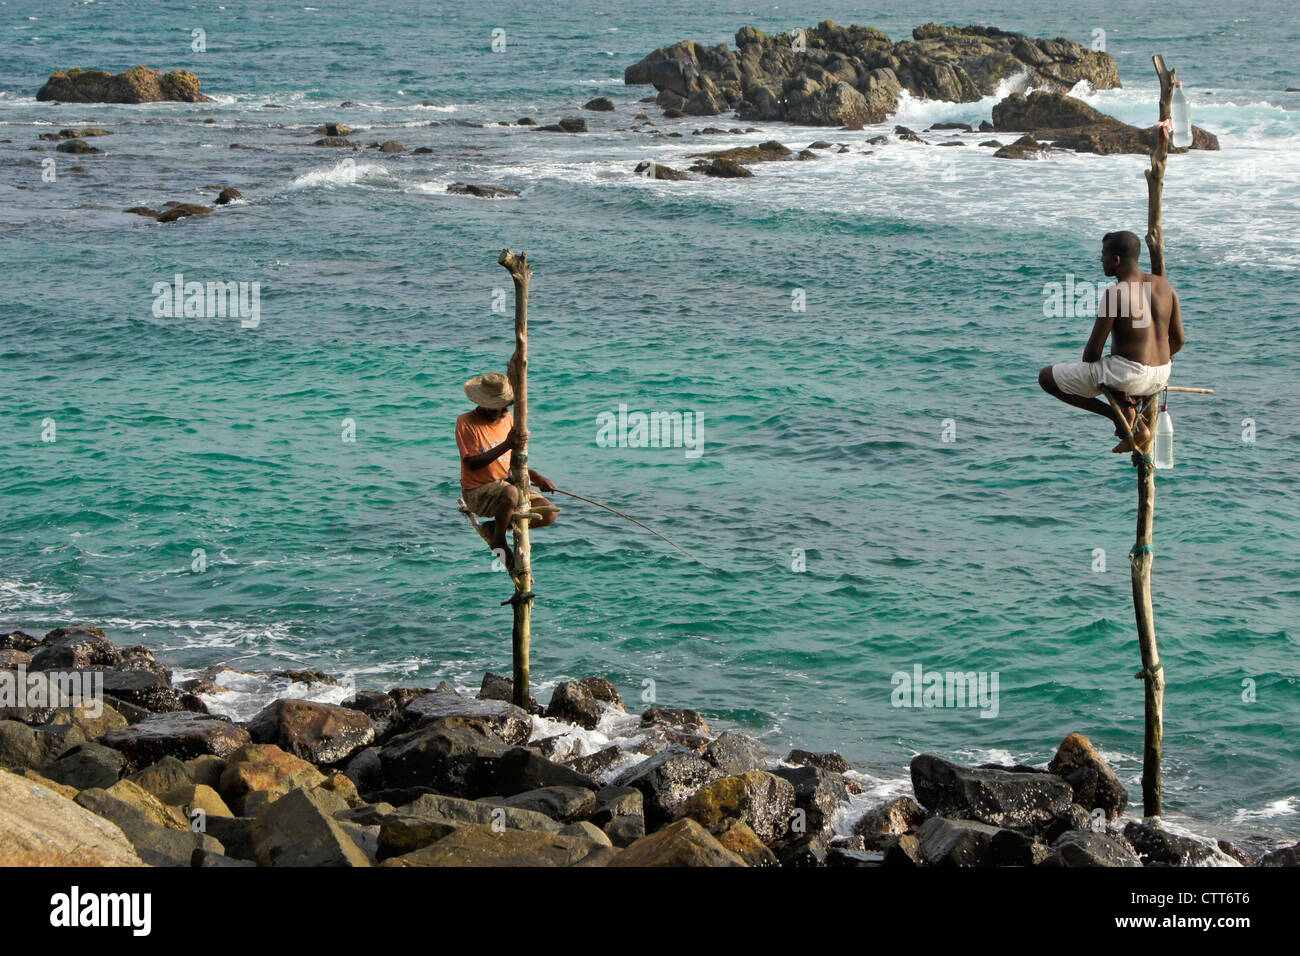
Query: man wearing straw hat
{"points": [[484, 437]]}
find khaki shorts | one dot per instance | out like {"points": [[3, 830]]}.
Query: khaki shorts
{"points": [[486, 499]]}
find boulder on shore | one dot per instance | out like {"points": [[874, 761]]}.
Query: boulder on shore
{"points": [[1095, 784], [40, 827], [138, 85], [1001, 798], [849, 76]]}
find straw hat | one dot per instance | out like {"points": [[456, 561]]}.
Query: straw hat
{"points": [[490, 391]]}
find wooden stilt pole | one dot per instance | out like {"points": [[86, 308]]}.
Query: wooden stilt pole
{"points": [[1152, 673], [522, 573]]}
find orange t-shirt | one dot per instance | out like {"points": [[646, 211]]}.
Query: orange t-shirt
{"points": [[473, 435]]}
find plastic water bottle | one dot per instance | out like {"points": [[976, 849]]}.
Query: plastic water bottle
{"points": [[1182, 118], [1164, 450]]}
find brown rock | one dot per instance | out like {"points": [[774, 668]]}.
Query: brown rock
{"points": [[684, 843], [138, 85], [41, 827]]}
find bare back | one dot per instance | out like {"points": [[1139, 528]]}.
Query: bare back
{"points": [[1142, 312]]}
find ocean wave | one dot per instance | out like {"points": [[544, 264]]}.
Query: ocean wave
{"points": [[343, 173]]}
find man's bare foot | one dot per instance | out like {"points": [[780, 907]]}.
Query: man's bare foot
{"points": [[1142, 434]]}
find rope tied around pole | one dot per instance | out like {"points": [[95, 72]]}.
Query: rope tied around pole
{"points": [[1149, 673], [1139, 550]]}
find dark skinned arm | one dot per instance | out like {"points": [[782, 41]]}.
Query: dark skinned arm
{"points": [[485, 458], [540, 480], [1100, 331], [1177, 337]]}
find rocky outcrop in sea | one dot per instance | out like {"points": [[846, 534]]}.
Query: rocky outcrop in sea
{"points": [[850, 76], [141, 84], [151, 773]]}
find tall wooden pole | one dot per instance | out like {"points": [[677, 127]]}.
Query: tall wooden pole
{"points": [[1152, 673], [522, 573]]}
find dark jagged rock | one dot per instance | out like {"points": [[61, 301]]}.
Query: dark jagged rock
{"points": [[228, 195], [763, 801], [34, 748], [998, 797], [520, 769], [182, 211], [138, 85], [851, 76], [1094, 783], [734, 753], [77, 146], [86, 766], [601, 104], [1284, 856], [881, 824], [335, 129], [1157, 846], [73, 647], [818, 793], [447, 755], [565, 804], [904, 851], [143, 688], [320, 733], [333, 141], [570, 124], [584, 701], [945, 842], [831, 761], [617, 801], [1090, 848], [667, 780], [19, 641], [655, 171], [182, 735], [483, 192], [723, 169], [498, 718], [1070, 123]]}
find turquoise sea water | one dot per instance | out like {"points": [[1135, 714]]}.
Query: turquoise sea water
{"points": [[923, 271]]}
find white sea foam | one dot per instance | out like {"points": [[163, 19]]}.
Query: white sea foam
{"points": [[1287, 806], [343, 173], [24, 595]]}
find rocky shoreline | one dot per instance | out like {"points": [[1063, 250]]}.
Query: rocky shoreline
{"points": [[146, 774]]}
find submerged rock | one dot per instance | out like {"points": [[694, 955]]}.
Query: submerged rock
{"points": [[484, 192], [138, 85], [601, 104], [656, 171]]}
